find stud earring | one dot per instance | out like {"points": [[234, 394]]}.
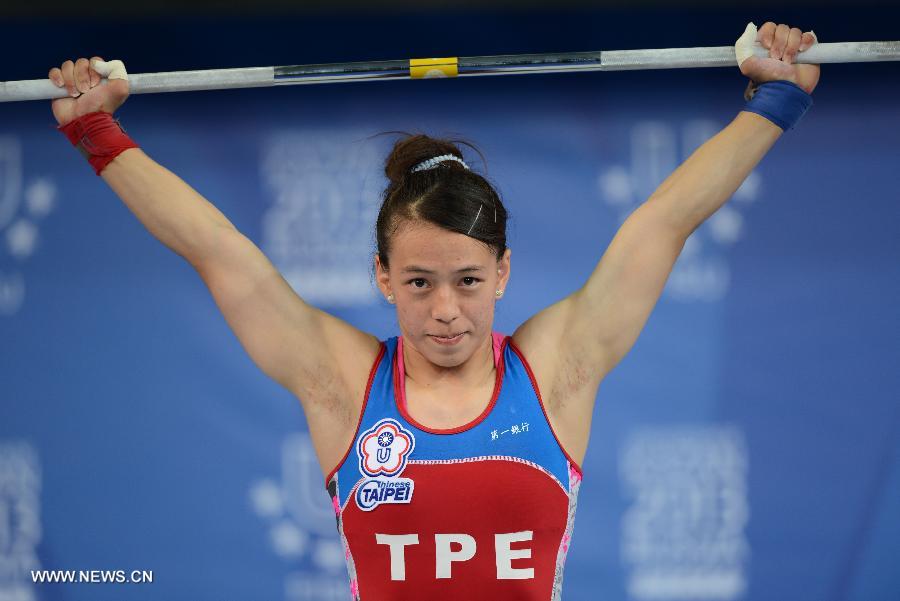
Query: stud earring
{"points": [[499, 293], [390, 298]]}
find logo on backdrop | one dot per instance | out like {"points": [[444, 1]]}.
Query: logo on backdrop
{"points": [[20, 520], [683, 537], [299, 522], [19, 221], [701, 272], [383, 451], [319, 231]]}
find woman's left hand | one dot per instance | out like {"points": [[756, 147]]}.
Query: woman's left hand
{"points": [[783, 43]]}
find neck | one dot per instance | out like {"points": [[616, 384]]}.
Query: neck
{"points": [[474, 371]]}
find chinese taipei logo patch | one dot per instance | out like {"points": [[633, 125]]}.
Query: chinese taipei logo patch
{"points": [[383, 451]]}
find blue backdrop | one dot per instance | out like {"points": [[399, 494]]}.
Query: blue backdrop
{"points": [[747, 448]]}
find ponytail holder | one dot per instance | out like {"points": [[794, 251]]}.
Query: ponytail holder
{"points": [[434, 162]]}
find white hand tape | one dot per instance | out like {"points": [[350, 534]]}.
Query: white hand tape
{"points": [[110, 69], [743, 47]]}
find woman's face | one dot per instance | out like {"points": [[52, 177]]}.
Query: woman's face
{"points": [[444, 285]]}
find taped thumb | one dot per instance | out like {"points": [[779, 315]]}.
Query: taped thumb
{"points": [[110, 69], [743, 47]]}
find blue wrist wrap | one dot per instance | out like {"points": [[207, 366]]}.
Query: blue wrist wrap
{"points": [[781, 102]]}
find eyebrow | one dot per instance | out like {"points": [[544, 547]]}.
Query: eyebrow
{"points": [[417, 269]]}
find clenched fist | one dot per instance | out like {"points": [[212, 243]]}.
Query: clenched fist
{"points": [[783, 43], [89, 92]]}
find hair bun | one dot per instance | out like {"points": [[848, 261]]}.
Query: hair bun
{"points": [[450, 195], [412, 150]]}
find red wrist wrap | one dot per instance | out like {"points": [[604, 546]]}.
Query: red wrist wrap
{"points": [[99, 137]]}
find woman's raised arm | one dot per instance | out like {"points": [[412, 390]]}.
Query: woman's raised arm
{"points": [[318, 357], [577, 341]]}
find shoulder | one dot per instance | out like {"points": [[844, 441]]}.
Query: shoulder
{"points": [[565, 373], [540, 340], [337, 381], [561, 361], [334, 396]]}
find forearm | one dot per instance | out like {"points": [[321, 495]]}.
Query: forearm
{"points": [[708, 178], [167, 206]]}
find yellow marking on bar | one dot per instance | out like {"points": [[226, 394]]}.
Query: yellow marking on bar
{"points": [[424, 68]]}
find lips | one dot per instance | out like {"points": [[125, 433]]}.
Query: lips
{"points": [[447, 339]]}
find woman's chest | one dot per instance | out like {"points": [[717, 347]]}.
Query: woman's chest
{"points": [[447, 407]]}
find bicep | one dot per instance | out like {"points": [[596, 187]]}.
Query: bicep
{"points": [[572, 344], [317, 356], [615, 303], [592, 329]]}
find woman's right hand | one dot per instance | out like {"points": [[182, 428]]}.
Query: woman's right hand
{"points": [[86, 94]]}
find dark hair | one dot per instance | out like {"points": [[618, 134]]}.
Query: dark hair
{"points": [[448, 195]]}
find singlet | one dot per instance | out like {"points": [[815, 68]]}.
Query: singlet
{"points": [[481, 511]]}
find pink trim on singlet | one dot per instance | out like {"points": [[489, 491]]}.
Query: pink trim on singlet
{"points": [[497, 341]]}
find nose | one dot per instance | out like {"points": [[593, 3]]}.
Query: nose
{"points": [[446, 307]]}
